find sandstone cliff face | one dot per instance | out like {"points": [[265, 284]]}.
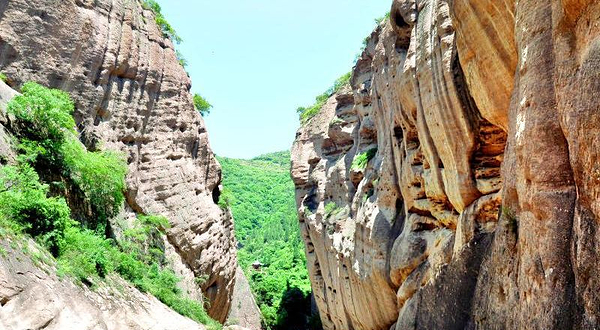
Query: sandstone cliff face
{"points": [[132, 95], [480, 206]]}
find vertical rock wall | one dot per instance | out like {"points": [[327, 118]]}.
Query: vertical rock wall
{"points": [[132, 95], [545, 273], [480, 206]]}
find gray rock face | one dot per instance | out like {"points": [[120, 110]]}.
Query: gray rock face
{"points": [[480, 207], [132, 95]]}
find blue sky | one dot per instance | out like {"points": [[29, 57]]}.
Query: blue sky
{"points": [[256, 61]]}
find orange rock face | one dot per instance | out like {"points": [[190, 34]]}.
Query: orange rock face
{"points": [[481, 204]]}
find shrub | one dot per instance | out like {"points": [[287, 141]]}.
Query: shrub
{"points": [[307, 113], [161, 21], [89, 257], [380, 20], [47, 140], [360, 162], [85, 255], [157, 222], [24, 202], [225, 199], [100, 175], [202, 105], [3, 77], [43, 116], [144, 240], [331, 209]]}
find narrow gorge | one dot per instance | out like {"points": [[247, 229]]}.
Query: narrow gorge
{"points": [[450, 180]]}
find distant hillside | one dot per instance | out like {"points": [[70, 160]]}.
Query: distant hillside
{"points": [[261, 196]]}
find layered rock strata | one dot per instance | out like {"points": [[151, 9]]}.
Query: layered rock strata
{"points": [[132, 95], [479, 205]]}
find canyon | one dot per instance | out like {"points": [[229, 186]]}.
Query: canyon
{"points": [[454, 185]]}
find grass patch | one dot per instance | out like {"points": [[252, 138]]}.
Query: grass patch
{"points": [[331, 209], [181, 59], [336, 121], [381, 19], [360, 162], [307, 113], [512, 223]]}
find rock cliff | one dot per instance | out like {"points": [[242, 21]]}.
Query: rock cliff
{"points": [[132, 95], [478, 205]]}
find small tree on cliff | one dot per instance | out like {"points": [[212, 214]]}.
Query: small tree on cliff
{"points": [[202, 105]]}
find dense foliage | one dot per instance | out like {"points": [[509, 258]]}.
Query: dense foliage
{"points": [[306, 113], [45, 129], [47, 142], [261, 197], [25, 206], [84, 254]]}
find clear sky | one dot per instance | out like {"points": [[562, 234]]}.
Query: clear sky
{"points": [[256, 61]]}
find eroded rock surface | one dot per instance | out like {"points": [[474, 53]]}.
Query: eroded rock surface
{"points": [[132, 95], [479, 208]]}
